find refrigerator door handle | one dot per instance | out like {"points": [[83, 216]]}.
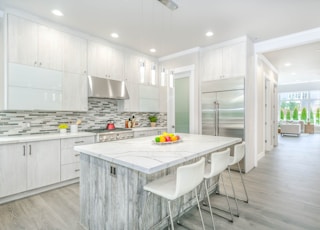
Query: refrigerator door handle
{"points": [[215, 106], [218, 119]]}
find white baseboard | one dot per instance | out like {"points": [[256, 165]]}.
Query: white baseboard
{"points": [[260, 156]]}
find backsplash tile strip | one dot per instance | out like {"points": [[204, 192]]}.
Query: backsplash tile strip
{"points": [[99, 112]]}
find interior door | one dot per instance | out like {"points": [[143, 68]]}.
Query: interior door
{"points": [[182, 116]]}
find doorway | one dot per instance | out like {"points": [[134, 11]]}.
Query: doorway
{"points": [[181, 101], [181, 104]]}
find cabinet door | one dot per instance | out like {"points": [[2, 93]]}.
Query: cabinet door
{"points": [[43, 161], [132, 68], [50, 48], [97, 59], [75, 54], [22, 41], [234, 60], [115, 65], [132, 104], [74, 92], [211, 64], [13, 169]]}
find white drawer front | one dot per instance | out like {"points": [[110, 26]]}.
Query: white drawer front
{"points": [[70, 171], [71, 142], [69, 156]]}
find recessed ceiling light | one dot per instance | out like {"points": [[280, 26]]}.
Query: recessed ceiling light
{"points": [[57, 12], [153, 50], [114, 35], [209, 34], [287, 64]]}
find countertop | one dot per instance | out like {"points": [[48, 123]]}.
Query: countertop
{"points": [[147, 128], [41, 137], [143, 155]]}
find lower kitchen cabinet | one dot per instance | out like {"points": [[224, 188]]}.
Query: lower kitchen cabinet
{"points": [[70, 167], [27, 166]]}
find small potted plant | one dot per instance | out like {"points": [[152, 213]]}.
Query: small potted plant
{"points": [[153, 120], [63, 127]]}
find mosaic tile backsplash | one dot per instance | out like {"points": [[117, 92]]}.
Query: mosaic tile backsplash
{"points": [[99, 112]]}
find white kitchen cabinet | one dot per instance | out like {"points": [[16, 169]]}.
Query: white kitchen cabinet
{"points": [[74, 55], [74, 92], [132, 68], [13, 169], [27, 166], [35, 45], [43, 163], [105, 61], [149, 98], [223, 62], [31, 87], [70, 167], [131, 104], [234, 60]]}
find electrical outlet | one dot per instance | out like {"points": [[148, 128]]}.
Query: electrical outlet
{"points": [[113, 171]]}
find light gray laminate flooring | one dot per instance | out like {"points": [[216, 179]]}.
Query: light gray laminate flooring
{"points": [[284, 193]]}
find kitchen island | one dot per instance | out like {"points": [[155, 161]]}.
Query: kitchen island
{"points": [[113, 175]]}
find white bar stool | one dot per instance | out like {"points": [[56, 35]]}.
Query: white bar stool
{"points": [[219, 163], [171, 187], [239, 152]]}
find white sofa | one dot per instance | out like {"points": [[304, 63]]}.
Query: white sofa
{"points": [[290, 129]]}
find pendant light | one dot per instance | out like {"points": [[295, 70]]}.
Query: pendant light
{"points": [[153, 74], [142, 72], [171, 79], [163, 77]]}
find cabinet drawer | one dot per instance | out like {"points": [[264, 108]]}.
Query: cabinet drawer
{"points": [[71, 142], [70, 171], [69, 156]]}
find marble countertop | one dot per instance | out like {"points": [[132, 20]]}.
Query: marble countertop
{"points": [[41, 137], [143, 155]]}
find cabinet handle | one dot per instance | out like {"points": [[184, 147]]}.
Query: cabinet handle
{"points": [[35, 62], [77, 142], [24, 150], [77, 154], [40, 63], [30, 150], [77, 170]]}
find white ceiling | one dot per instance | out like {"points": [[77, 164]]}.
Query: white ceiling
{"points": [[145, 24]]}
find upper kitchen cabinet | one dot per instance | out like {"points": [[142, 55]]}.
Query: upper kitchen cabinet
{"points": [[75, 54], [105, 61], [33, 44], [132, 68], [226, 61]]}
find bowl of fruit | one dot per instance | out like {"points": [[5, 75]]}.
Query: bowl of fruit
{"points": [[166, 138]]}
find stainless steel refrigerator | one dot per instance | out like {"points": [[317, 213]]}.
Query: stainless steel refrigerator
{"points": [[222, 107]]}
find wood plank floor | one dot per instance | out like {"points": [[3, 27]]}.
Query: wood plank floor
{"points": [[284, 193]]}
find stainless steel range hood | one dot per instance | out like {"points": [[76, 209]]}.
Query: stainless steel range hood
{"points": [[107, 88]]}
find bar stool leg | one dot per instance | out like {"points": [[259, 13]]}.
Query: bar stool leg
{"points": [[244, 186], [199, 209], [234, 193], [207, 194], [170, 213], [227, 196]]}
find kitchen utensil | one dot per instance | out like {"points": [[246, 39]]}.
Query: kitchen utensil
{"points": [[110, 125]]}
